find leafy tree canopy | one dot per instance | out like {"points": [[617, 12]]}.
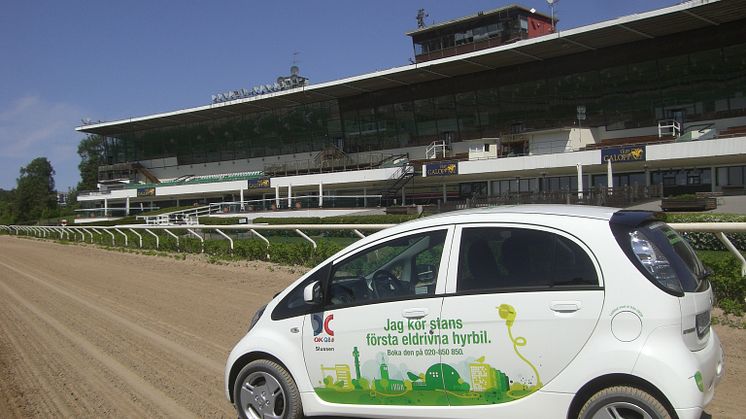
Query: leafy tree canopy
{"points": [[91, 152], [35, 196]]}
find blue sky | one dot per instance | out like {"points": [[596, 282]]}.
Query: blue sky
{"points": [[63, 61]]}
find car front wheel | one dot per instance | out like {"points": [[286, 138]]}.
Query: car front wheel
{"points": [[264, 390], [623, 402]]}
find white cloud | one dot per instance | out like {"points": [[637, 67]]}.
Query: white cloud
{"points": [[32, 127]]}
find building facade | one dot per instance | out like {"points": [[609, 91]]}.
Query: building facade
{"points": [[529, 112]]}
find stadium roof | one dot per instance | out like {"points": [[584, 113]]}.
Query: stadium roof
{"points": [[688, 16]]}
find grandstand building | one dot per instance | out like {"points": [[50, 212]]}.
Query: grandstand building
{"points": [[497, 105]]}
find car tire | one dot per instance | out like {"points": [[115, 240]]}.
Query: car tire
{"points": [[265, 389], [623, 402]]}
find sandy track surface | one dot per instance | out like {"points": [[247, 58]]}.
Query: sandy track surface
{"points": [[92, 333], [88, 332]]}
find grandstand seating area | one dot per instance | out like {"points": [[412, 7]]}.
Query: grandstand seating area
{"points": [[642, 139], [733, 131], [192, 180]]}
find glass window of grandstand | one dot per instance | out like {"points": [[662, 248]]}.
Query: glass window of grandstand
{"points": [[684, 181], [399, 268], [515, 185], [473, 189], [501, 258], [620, 180], [731, 179]]}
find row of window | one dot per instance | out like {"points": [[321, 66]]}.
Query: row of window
{"points": [[705, 84], [496, 258], [506, 30], [726, 176]]}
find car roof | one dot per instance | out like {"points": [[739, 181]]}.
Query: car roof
{"points": [[486, 215], [583, 211]]}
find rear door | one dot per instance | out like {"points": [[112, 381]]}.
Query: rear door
{"points": [[526, 301]]}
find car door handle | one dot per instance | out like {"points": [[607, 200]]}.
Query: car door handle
{"points": [[565, 306], [414, 313]]}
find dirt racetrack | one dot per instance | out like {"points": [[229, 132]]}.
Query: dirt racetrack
{"points": [[88, 332]]}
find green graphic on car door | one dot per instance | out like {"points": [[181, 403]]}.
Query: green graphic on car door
{"points": [[441, 383]]}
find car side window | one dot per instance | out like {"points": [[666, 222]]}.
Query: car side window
{"points": [[513, 258], [396, 269]]}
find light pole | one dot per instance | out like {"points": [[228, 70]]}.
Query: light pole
{"points": [[551, 4]]}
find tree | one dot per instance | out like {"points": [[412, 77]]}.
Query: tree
{"points": [[7, 213], [35, 197], [91, 152]]}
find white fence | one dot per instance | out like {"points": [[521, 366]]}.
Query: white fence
{"points": [[87, 233]]}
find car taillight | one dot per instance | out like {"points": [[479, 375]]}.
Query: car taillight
{"points": [[655, 262]]}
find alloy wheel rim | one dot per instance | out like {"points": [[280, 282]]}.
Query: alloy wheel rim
{"points": [[262, 397], [621, 410]]}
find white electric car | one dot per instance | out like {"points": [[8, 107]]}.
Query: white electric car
{"points": [[511, 312]]}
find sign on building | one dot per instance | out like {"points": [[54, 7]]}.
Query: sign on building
{"points": [[145, 191], [623, 154], [259, 183], [443, 168]]}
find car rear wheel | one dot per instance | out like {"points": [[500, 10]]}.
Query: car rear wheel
{"points": [[264, 390], [623, 402]]}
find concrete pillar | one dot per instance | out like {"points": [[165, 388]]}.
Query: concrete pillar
{"points": [[178, 204], [243, 206], [277, 197], [365, 197], [321, 195], [580, 180], [609, 175], [290, 196], [106, 207], [445, 194], [403, 196], [647, 176], [127, 206]]}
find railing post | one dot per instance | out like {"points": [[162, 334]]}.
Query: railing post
{"points": [[723, 239], [174, 236], [256, 233], [126, 239], [157, 239], [199, 237], [226, 236], [300, 233], [86, 230], [138, 235], [113, 239]]}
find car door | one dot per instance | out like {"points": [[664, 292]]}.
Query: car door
{"points": [[525, 300], [375, 342]]}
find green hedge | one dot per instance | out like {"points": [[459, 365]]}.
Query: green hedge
{"points": [[343, 219], [220, 220], [727, 283]]}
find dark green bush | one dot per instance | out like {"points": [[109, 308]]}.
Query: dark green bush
{"points": [[220, 220], [343, 219], [727, 283]]}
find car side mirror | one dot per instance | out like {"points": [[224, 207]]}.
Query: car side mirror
{"points": [[312, 293], [425, 273]]}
